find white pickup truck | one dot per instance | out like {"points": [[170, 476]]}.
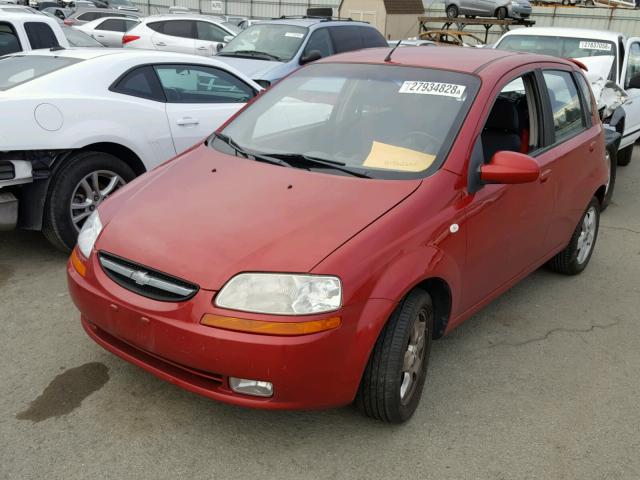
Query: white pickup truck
{"points": [[579, 44], [27, 31]]}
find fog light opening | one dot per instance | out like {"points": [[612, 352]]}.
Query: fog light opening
{"points": [[254, 388]]}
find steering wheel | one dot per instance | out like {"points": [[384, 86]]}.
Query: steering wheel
{"points": [[420, 141]]}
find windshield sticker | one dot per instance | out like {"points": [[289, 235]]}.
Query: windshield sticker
{"points": [[294, 35], [390, 157], [602, 46], [433, 88]]}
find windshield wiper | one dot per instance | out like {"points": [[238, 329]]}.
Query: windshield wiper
{"points": [[315, 161], [256, 156], [250, 53]]}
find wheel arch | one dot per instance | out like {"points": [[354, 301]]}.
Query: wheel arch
{"points": [[440, 293], [600, 193], [117, 150]]}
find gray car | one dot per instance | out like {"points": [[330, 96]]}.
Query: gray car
{"points": [[270, 50], [501, 9], [84, 15]]}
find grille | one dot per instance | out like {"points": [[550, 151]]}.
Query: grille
{"points": [[7, 171], [146, 281]]}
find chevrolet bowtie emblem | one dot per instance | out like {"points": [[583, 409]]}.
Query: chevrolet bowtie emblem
{"points": [[140, 277]]}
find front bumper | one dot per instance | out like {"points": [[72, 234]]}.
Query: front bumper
{"points": [[519, 12], [314, 371]]}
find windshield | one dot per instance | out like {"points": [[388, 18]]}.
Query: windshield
{"points": [[267, 41], [381, 121], [565, 47], [77, 38], [24, 68]]}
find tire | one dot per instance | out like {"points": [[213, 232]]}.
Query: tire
{"points": [[608, 196], [624, 156], [566, 3], [380, 394], [569, 261], [501, 13], [452, 11], [58, 226]]}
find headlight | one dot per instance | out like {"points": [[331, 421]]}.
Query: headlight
{"points": [[281, 294], [89, 234]]}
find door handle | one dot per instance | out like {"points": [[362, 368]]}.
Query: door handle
{"points": [[187, 121], [100, 36], [544, 175], [203, 48], [592, 146], [161, 44]]}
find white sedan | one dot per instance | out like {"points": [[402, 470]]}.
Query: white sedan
{"points": [[108, 30], [77, 124]]}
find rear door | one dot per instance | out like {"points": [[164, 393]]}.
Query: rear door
{"points": [[199, 99], [208, 37], [630, 82], [174, 35]]}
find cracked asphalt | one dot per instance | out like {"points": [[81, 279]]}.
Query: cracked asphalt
{"points": [[542, 384]]}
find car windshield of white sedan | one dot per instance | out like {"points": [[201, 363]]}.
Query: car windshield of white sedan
{"points": [[20, 69], [565, 47], [275, 42], [367, 120]]}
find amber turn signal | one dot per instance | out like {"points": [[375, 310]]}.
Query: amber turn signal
{"points": [[270, 328], [77, 263]]}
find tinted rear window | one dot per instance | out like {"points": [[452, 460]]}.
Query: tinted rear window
{"points": [[22, 69], [40, 35], [141, 82]]}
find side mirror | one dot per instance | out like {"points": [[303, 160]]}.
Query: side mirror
{"points": [[312, 56], [219, 47], [510, 167], [634, 82]]}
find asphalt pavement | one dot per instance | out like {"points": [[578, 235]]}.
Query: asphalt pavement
{"points": [[542, 384]]}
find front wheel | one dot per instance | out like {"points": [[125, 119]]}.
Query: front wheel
{"points": [[574, 259], [452, 11], [391, 386], [84, 181]]}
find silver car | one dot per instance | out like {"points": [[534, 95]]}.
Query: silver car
{"points": [[501, 9]]}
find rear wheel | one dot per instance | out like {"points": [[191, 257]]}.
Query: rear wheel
{"points": [[392, 383], [566, 2], [501, 13], [84, 181], [574, 259], [610, 157], [452, 11], [624, 156]]}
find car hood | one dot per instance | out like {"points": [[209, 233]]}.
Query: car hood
{"points": [[257, 69], [207, 216]]}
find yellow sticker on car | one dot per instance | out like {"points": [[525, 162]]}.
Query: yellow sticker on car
{"points": [[390, 157]]}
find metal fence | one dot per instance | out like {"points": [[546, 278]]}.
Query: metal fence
{"points": [[242, 8]]}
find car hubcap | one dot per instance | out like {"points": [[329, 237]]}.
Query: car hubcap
{"points": [[90, 192], [607, 158], [413, 358], [587, 235]]}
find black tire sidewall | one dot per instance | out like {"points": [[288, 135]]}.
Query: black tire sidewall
{"points": [[624, 156], [57, 219], [454, 11], [612, 180]]}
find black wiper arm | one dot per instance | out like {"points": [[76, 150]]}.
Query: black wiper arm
{"points": [[252, 53], [256, 156], [315, 161]]}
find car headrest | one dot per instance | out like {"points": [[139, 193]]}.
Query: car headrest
{"points": [[503, 116]]}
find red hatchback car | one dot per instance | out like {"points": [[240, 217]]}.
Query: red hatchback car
{"points": [[308, 252]]}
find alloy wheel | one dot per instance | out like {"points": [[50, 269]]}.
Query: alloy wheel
{"points": [[413, 358], [90, 192], [587, 235]]}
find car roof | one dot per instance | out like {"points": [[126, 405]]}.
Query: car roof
{"points": [[82, 9], [310, 21], [27, 16], [182, 16], [460, 59], [567, 32]]}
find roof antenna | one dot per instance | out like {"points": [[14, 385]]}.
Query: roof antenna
{"points": [[388, 57]]}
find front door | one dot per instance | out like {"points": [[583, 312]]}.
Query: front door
{"points": [[199, 99], [631, 71], [507, 225], [208, 36]]}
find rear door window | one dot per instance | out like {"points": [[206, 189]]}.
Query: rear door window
{"points": [[179, 28], [568, 115], [112, 25], [346, 39], [88, 16], [40, 35], [200, 84], [9, 42], [372, 38]]}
